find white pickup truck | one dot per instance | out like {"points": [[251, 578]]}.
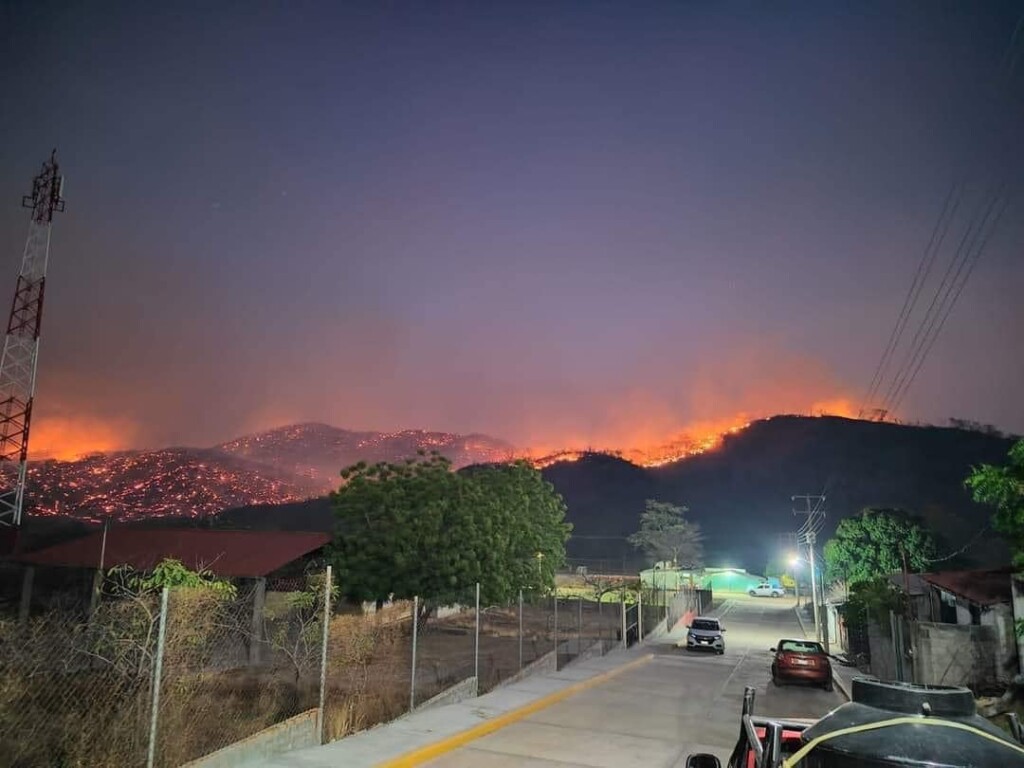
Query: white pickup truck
{"points": [[765, 589]]}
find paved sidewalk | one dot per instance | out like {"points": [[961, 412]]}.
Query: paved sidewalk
{"points": [[422, 729]]}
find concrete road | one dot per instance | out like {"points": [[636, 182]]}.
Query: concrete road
{"points": [[680, 702]]}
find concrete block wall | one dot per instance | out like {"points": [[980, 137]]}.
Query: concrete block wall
{"points": [[467, 689], [955, 654], [296, 732]]}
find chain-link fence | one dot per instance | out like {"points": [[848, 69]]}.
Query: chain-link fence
{"points": [[76, 690], [144, 679], [445, 643]]}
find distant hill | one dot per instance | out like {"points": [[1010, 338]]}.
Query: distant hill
{"points": [[187, 482], [320, 452], [741, 492], [280, 466]]}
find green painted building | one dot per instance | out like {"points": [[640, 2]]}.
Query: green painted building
{"points": [[716, 579]]}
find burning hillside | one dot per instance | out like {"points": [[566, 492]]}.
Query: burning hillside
{"points": [[693, 440]]}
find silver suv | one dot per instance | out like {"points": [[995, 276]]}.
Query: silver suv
{"points": [[705, 634], [765, 589]]}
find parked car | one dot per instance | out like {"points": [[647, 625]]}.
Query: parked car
{"points": [[765, 589], [705, 634], [803, 661]]}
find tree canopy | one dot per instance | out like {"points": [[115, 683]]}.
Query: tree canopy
{"points": [[873, 544], [1003, 488], [418, 528], [666, 535]]}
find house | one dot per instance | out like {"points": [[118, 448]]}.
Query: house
{"points": [[959, 627]]}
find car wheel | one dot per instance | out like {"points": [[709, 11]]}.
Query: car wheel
{"points": [[721, 652], [775, 680], [752, 593], [828, 685]]}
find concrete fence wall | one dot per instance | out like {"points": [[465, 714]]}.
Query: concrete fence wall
{"points": [[297, 732], [954, 654], [467, 689]]}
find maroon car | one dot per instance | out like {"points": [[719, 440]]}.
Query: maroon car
{"points": [[801, 661]]}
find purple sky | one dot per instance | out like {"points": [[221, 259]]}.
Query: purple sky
{"points": [[531, 219]]}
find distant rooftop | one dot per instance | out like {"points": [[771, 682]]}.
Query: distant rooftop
{"points": [[224, 553]]}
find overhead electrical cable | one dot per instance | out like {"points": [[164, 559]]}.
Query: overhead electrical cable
{"points": [[971, 264], [924, 268]]}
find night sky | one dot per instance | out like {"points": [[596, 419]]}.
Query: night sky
{"points": [[551, 222]]}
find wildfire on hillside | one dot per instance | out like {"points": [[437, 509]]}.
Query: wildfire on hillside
{"points": [[692, 440], [70, 438]]}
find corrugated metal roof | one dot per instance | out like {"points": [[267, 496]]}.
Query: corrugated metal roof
{"points": [[981, 587], [224, 553]]}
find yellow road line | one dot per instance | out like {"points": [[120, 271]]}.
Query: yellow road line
{"points": [[438, 748]]}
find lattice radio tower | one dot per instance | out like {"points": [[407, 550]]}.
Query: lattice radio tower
{"points": [[21, 345]]}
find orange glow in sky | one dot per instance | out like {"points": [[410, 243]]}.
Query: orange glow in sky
{"points": [[69, 438]]}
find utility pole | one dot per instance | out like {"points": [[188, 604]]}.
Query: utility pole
{"points": [[811, 538], [809, 534]]}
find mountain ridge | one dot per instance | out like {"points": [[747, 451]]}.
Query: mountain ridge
{"points": [[740, 491]]}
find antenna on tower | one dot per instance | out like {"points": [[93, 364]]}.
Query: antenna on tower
{"points": [[21, 344]]}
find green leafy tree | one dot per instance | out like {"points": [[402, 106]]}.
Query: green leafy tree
{"points": [[1003, 488], [418, 528], [873, 545], [524, 520], [172, 574], [666, 535]]}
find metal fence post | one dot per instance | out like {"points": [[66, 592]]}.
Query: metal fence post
{"points": [[157, 675], [328, 584], [579, 627], [622, 598], [476, 640], [415, 629], [520, 629], [556, 631], [640, 616]]}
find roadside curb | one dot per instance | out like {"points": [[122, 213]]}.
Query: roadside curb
{"points": [[842, 686], [800, 621], [431, 751]]}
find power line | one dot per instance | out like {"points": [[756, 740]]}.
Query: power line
{"points": [[936, 307], [948, 292], [924, 268], [970, 543], [959, 289]]}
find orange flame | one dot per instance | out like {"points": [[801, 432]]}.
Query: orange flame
{"points": [[693, 439], [69, 438]]}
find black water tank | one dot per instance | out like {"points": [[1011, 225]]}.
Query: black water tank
{"points": [[910, 744]]}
